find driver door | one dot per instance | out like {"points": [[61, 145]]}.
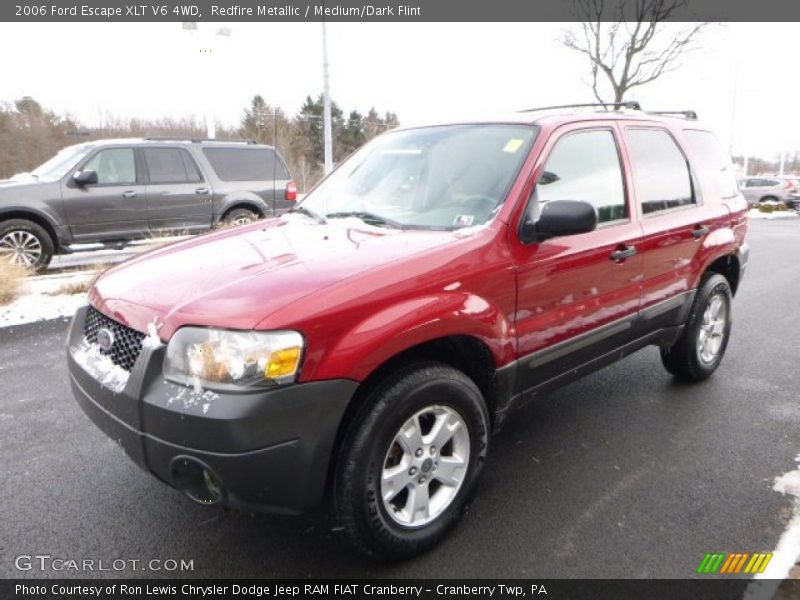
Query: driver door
{"points": [[578, 296], [114, 208]]}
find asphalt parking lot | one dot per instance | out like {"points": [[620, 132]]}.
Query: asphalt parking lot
{"points": [[622, 474]]}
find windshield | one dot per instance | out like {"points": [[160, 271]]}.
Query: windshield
{"points": [[443, 177], [61, 163]]}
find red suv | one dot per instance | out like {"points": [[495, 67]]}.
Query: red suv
{"points": [[360, 349]]}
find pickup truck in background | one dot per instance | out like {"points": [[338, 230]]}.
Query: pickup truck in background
{"points": [[116, 191]]}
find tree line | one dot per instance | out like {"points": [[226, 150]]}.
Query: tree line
{"points": [[30, 133]]}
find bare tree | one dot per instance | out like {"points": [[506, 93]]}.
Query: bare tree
{"points": [[628, 43]]}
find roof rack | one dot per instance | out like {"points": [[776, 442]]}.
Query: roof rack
{"points": [[632, 104], [687, 114], [197, 140]]}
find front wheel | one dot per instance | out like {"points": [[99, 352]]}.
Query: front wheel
{"points": [[25, 243], [410, 460], [700, 349]]}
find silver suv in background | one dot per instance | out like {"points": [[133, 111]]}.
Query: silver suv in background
{"points": [[765, 188], [116, 191]]}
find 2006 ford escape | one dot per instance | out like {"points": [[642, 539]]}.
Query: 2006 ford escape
{"points": [[360, 349]]}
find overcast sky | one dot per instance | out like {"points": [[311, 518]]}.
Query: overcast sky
{"points": [[422, 72]]}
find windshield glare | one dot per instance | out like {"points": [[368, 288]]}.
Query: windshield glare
{"points": [[61, 163], [443, 177]]}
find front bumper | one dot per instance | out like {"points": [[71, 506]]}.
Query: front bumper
{"points": [[267, 450]]}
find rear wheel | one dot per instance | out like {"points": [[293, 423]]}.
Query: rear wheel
{"points": [[410, 460], [25, 243], [240, 216], [700, 349]]}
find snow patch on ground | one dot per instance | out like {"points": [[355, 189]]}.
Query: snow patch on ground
{"points": [[40, 307], [40, 300], [754, 213], [101, 367], [787, 553]]}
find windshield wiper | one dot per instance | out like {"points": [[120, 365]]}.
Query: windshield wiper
{"points": [[368, 218], [309, 213]]}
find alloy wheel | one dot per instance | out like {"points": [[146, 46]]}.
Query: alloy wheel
{"points": [[21, 247], [712, 330], [425, 466]]}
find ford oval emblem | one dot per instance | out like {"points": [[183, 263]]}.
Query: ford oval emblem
{"points": [[105, 339]]}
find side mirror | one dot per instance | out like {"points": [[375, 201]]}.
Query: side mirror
{"points": [[559, 218], [85, 177]]}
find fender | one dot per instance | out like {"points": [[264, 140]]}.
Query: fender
{"points": [[242, 198], [720, 242], [392, 330], [47, 215]]}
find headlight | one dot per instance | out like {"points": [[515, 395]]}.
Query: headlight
{"points": [[223, 359]]}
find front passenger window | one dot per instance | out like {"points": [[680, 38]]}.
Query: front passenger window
{"points": [[585, 166], [114, 166]]}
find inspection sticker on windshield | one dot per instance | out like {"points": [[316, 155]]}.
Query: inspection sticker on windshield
{"points": [[513, 145], [463, 220]]}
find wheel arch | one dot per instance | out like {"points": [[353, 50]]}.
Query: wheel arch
{"points": [[467, 353], [35, 217], [242, 200], [729, 267]]}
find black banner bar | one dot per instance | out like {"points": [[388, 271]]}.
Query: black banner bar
{"points": [[423, 589], [380, 10]]}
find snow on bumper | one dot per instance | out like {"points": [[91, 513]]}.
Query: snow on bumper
{"points": [[268, 449]]}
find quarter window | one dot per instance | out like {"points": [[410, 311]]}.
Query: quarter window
{"points": [[660, 170], [114, 166], [245, 164], [715, 160], [585, 166]]}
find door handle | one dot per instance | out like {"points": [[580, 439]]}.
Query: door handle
{"points": [[700, 231], [201, 190], [129, 194], [623, 253]]}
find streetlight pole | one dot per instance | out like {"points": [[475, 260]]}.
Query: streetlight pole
{"points": [[326, 99]]}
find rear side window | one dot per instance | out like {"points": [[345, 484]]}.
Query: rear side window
{"points": [[245, 164], [170, 165], [660, 170], [585, 166], [714, 160]]}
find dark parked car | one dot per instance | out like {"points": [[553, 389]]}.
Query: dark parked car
{"points": [[361, 348], [115, 191]]}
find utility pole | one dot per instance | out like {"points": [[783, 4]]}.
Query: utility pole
{"points": [[326, 99]]}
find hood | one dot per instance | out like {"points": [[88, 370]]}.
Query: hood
{"points": [[20, 182], [236, 278]]}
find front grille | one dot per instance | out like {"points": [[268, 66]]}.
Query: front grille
{"points": [[127, 341]]}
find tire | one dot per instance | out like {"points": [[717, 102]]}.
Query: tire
{"points": [[701, 347], [240, 216], [26, 243], [417, 398], [768, 199]]}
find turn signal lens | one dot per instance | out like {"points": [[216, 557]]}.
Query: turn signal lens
{"points": [[282, 363]]}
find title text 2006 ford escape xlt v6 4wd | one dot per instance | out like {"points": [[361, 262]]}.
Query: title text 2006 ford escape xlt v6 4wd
{"points": [[360, 349]]}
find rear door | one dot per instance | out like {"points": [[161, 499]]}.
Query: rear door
{"points": [[578, 296], [675, 220], [115, 207], [178, 197]]}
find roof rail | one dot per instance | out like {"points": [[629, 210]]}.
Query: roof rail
{"points": [[631, 104], [686, 114], [167, 138]]}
